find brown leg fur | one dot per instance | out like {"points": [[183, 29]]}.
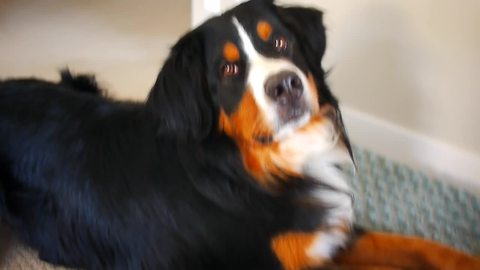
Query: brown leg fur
{"points": [[402, 252]]}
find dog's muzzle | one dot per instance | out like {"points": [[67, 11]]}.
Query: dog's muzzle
{"points": [[286, 90]]}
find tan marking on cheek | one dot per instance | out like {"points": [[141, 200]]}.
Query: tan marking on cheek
{"points": [[244, 125], [224, 123], [310, 126], [314, 91], [264, 30], [231, 52], [246, 122], [277, 160]]}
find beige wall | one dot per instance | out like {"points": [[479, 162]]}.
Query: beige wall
{"points": [[413, 63], [124, 42]]}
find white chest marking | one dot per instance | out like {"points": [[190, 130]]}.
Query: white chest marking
{"points": [[314, 152]]}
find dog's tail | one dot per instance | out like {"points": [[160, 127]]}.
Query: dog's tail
{"points": [[84, 83]]}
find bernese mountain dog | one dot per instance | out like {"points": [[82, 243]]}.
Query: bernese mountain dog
{"points": [[231, 163]]}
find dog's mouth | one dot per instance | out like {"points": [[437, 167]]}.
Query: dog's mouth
{"points": [[264, 139], [329, 117], [283, 130]]}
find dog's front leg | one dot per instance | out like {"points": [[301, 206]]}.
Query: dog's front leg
{"points": [[404, 252]]}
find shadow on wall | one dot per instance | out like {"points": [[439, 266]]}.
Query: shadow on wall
{"points": [[123, 42], [413, 64], [372, 64]]}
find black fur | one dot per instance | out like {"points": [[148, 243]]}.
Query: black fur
{"points": [[187, 113], [100, 184], [82, 83], [304, 22], [3, 209]]}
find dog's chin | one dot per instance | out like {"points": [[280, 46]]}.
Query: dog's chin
{"points": [[283, 131], [289, 128], [317, 137]]}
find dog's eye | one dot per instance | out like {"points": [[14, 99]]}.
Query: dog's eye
{"points": [[281, 44], [230, 69]]}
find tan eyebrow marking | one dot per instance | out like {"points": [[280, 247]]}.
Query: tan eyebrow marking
{"points": [[230, 52], [264, 30]]}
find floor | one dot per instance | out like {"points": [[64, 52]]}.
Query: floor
{"points": [[393, 197]]}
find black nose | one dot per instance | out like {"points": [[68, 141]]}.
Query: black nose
{"points": [[284, 87]]}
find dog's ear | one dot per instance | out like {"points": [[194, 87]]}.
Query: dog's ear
{"points": [[180, 98], [307, 26]]}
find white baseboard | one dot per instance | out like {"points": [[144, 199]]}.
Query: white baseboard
{"points": [[435, 158], [203, 9]]}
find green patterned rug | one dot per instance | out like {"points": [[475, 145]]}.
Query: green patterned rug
{"points": [[394, 198]]}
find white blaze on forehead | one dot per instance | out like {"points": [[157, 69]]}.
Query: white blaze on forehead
{"points": [[246, 42], [260, 69]]}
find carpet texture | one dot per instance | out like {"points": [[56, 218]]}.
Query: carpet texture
{"points": [[389, 197], [394, 198]]}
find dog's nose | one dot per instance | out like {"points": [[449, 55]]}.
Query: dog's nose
{"points": [[284, 87]]}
